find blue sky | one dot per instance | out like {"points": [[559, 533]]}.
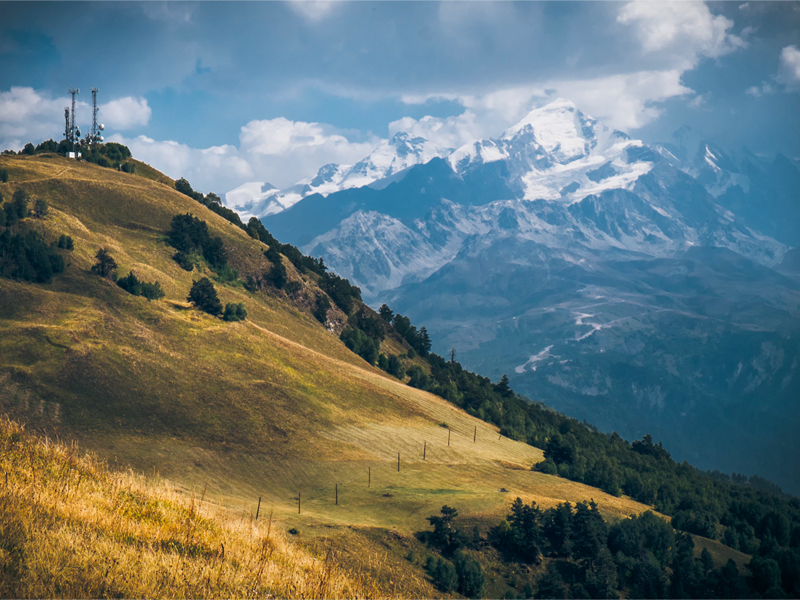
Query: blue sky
{"points": [[224, 93]]}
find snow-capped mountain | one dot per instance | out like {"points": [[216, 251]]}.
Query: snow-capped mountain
{"points": [[763, 191], [384, 164], [601, 274], [558, 153]]}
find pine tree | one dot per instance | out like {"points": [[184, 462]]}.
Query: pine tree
{"points": [[105, 265], [204, 296], [386, 313]]}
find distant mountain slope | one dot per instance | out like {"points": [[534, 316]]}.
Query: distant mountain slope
{"points": [[563, 253], [387, 161]]}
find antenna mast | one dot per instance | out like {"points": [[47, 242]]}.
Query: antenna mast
{"points": [[94, 134], [66, 123], [72, 128]]}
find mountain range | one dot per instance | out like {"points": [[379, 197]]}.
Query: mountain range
{"points": [[644, 288]]}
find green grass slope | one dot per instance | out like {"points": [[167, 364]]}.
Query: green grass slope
{"points": [[269, 407]]}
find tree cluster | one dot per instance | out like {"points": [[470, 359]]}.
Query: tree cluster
{"points": [[131, 284], [211, 201], [24, 254], [234, 312], [462, 573], [190, 237], [639, 557], [345, 295]]}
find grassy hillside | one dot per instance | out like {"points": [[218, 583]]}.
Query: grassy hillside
{"points": [[271, 407], [69, 527]]}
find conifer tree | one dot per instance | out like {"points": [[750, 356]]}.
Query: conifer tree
{"points": [[204, 296]]}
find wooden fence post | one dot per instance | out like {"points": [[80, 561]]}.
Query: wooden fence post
{"points": [[475, 437], [258, 510], [448, 437], [369, 476], [337, 494], [298, 503], [398, 462], [424, 450]]}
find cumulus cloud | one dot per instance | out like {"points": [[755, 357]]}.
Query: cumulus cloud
{"points": [[685, 31], [312, 10], [282, 151], [625, 102], [789, 70], [278, 151], [28, 116], [217, 168], [125, 113]]}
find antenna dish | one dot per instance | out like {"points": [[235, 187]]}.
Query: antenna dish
{"points": [[101, 127]]}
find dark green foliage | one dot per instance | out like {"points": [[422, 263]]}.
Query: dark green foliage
{"points": [[210, 201], [189, 234], [395, 367], [445, 536], [646, 446], [386, 313], [644, 533], [204, 296], [443, 573], [557, 526], [551, 585], [589, 530], [29, 149], [524, 536], [471, 579], [17, 209], [341, 291], [383, 362], [109, 155], [321, 309], [40, 209], [186, 260], [128, 168], [47, 146], [276, 275], [105, 265], [27, 257], [132, 285], [234, 312], [560, 450], [420, 341], [359, 342], [65, 242], [3, 176]]}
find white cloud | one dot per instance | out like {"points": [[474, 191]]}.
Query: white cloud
{"points": [[216, 169], [125, 113], [278, 151], [764, 89], [681, 31], [313, 10], [451, 132], [700, 100], [625, 102], [789, 70], [28, 116], [282, 151]]}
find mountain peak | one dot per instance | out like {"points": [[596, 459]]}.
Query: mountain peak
{"points": [[559, 110]]}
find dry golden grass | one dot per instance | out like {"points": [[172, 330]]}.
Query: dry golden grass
{"points": [[70, 528]]}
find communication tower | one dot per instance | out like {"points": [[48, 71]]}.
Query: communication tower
{"points": [[74, 132], [94, 133]]}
